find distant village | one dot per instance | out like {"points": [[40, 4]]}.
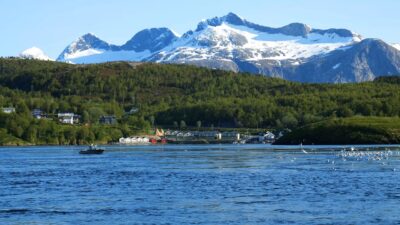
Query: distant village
{"points": [[67, 117], [161, 136], [222, 137]]}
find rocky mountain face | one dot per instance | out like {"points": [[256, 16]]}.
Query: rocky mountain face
{"points": [[294, 52], [153, 40], [363, 61]]}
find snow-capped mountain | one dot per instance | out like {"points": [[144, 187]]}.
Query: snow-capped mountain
{"points": [[363, 61], [34, 53], [296, 51], [91, 49], [231, 39], [85, 46]]}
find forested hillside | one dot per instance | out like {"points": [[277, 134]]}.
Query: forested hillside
{"points": [[346, 131], [172, 95]]}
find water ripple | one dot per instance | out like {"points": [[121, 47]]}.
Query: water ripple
{"points": [[209, 185]]}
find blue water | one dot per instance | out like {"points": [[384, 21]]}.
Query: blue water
{"points": [[210, 184]]}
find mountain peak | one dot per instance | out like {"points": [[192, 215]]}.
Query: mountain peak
{"points": [[233, 18], [90, 39], [153, 39], [296, 29], [230, 18], [86, 42], [293, 29], [89, 35], [34, 53]]}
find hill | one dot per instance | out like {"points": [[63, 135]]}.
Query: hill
{"points": [[167, 95], [354, 130]]}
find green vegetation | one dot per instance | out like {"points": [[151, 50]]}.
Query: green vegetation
{"points": [[354, 130], [17, 129], [170, 96]]}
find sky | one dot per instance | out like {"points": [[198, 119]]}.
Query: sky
{"points": [[53, 24]]}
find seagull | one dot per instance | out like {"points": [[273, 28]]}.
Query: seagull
{"points": [[302, 149]]}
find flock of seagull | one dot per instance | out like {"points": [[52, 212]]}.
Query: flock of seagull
{"points": [[354, 154], [378, 154]]}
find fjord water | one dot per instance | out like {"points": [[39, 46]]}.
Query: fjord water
{"points": [[210, 184]]}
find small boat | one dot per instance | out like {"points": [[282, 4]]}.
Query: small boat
{"points": [[92, 150]]}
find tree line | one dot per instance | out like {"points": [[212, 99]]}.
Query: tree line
{"points": [[169, 95]]}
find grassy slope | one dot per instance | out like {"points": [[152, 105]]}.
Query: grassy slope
{"points": [[9, 140], [354, 130]]}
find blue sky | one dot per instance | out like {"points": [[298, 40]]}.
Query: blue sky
{"points": [[53, 24]]}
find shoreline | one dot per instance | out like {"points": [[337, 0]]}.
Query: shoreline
{"points": [[293, 146]]}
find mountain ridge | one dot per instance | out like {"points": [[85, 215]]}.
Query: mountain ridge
{"points": [[294, 52]]}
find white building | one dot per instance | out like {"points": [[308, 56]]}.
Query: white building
{"points": [[67, 118], [134, 141], [267, 137], [9, 110]]}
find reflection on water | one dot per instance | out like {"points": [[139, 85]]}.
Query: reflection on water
{"points": [[210, 184]]}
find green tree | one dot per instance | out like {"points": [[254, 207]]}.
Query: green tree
{"points": [[95, 113], [31, 134], [344, 112], [85, 117], [289, 121]]}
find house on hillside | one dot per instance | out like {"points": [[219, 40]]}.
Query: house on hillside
{"points": [[132, 111], [108, 120], [68, 118], [38, 114], [8, 110]]}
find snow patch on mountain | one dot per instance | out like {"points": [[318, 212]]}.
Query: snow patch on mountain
{"points": [[336, 66], [34, 53], [232, 41], [108, 56], [397, 46], [176, 33], [84, 53]]}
